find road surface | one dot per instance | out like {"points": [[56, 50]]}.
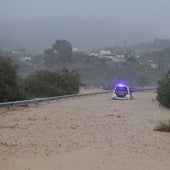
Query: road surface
{"points": [[88, 133]]}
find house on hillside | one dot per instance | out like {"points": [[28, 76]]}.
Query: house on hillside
{"points": [[109, 55], [94, 54], [21, 55], [118, 58], [152, 64]]}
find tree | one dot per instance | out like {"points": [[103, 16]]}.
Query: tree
{"points": [[63, 50], [60, 52], [163, 91], [9, 80], [70, 81], [132, 59]]}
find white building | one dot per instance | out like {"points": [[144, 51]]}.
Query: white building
{"points": [[108, 55], [24, 59], [105, 52], [94, 54], [75, 49], [118, 58], [152, 64]]}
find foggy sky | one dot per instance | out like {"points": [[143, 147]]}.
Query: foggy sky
{"points": [[150, 18], [134, 10]]}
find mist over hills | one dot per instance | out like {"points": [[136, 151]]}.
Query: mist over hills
{"points": [[155, 45], [86, 34], [8, 44]]}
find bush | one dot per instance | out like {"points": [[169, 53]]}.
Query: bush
{"points": [[45, 83], [163, 127], [10, 83], [69, 81], [39, 84], [163, 91]]}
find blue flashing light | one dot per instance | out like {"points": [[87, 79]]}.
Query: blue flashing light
{"points": [[120, 84]]}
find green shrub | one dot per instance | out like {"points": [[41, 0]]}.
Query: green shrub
{"points": [[10, 83], [163, 91], [163, 127], [39, 84], [45, 83]]}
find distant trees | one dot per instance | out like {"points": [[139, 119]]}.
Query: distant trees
{"points": [[61, 52], [132, 59], [163, 91]]}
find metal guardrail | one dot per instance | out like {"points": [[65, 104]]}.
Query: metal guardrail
{"points": [[36, 101], [145, 89]]}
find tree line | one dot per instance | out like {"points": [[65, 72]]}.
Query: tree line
{"points": [[42, 83]]}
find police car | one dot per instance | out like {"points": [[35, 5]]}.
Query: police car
{"points": [[122, 91]]}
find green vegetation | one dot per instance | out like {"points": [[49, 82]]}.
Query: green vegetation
{"points": [[163, 91], [163, 97], [61, 52], [93, 70], [99, 72], [10, 83], [42, 83], [163, 127], [103, 72], [45, 83]]}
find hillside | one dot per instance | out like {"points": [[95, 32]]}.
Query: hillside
{"points": [[161, 57], [157, 44]]}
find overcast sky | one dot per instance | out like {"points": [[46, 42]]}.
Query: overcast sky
{"points": [[124, 9], [151, 12], [151, 16]]}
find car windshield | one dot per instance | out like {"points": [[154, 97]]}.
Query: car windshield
{"points": [[121, 89]]}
